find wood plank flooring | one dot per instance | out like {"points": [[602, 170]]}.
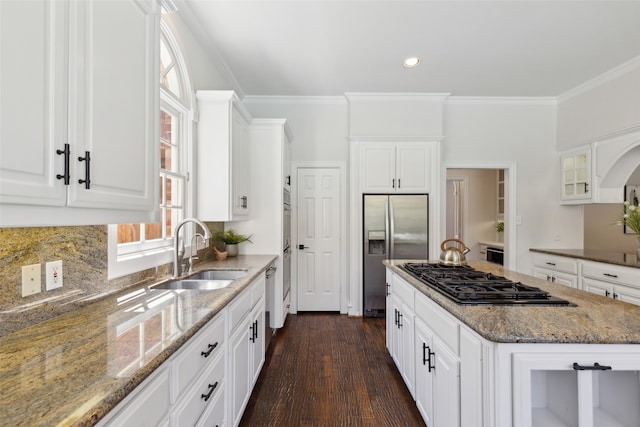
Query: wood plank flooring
{"points": [[325, 369]]}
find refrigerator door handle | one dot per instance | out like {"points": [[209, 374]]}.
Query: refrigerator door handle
{"points": [[391, 230], [386, 228]]}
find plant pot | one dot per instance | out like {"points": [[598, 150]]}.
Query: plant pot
{"points": [[232, 249]]}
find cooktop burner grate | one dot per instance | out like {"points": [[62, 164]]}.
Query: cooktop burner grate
{"points": [[465, 285]]}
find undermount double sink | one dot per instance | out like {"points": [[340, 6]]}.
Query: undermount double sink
{"points": [[206, 280]]}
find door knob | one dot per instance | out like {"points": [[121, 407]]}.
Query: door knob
{"points": [[303, 247]]}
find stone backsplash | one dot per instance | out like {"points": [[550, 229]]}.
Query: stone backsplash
{"points": [[84, 254]]}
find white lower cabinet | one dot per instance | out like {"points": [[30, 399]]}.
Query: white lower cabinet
{"points": [[403, 331], [612, 281], [556, 388], [556, 269], [246, 348], [209, 380]]}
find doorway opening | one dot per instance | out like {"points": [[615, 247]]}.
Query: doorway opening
{"points": [[476, 199]]}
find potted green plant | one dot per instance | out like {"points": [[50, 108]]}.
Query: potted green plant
{"points": [[231, 239]]}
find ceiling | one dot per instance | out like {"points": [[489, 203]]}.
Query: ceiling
{"points": [[467, 48]]}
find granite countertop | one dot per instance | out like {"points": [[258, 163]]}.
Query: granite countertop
{"points": [[609, 257], [76, 367], [594, 319]]}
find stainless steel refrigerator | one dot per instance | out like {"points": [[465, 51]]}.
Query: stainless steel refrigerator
{"points": [[394, 227]]}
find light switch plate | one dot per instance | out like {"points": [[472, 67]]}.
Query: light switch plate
{"points": [[53, 275], [31, 279]]}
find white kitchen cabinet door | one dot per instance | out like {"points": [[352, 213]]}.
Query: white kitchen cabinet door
{"points": [[33, 105], [239, 370], [257, 343], [445, 385], [413, 167], [114, 104], [576, 176], [378, 167], [424, 379], [395, 167], [83, 88], [223, 172], [408, 343]]}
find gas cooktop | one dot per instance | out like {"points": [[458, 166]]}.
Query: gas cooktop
{"points": [[465, 285]]}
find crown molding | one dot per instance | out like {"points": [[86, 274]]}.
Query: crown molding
{"points": [[269, 99], [423, 138], [506, 100], [607, 76], [395, 96]]}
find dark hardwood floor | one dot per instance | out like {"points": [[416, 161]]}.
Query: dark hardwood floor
{"points": [[325, 369]]}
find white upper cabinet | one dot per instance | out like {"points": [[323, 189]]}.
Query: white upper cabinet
{"points": [[79, 113], [576, 176], [223, 173], [401, 167]]}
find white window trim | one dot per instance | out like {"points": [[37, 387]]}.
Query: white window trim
{"points": [[156, 253]]}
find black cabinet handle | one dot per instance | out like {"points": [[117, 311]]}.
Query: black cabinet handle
{"points": [[615, 296], [431, 353], [399, 320], [424, 354], [388, 287], [395, 316], [255, 331], [596, 367], [211, 347], [212, 387], [607, 293], [398, 182], [393, 183], [87, 170], [67, 156], [610, 275], [244, 202], [551, 263], [252, 337]]}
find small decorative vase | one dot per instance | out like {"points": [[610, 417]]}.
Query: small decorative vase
{"points": [[500, 236], [232, 249]]}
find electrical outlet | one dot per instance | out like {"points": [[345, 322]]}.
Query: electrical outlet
{"points": [[53, 275], [31, 279]]}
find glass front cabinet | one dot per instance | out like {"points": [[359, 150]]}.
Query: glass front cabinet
{"points": [[576, 176]]}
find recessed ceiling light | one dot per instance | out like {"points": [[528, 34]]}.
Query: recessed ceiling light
{"points": [[411, 62]]}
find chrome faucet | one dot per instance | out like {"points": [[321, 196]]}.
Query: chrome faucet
{"points": [[191, 256], [176, 237]]}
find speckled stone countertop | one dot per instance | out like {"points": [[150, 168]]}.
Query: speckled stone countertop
{"points": [[594, 320], [609, 257], [73, 369]]}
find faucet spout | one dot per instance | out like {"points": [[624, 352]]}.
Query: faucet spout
{"points": [[176, 237]]}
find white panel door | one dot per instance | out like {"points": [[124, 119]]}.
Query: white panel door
{"points": [[319, 237]]}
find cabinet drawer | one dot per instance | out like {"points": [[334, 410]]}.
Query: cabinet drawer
{"points": [[239, 309], [192, 404], [404, 291], [438, 321], [612, 273], [148, 406], [198, 354], [257, 290], [556, 263], [214, 413]]}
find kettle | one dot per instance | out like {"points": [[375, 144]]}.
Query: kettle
{"points": [[453, 255]]}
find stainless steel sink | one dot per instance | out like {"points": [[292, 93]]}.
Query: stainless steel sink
{"points": [[218, 275], [203, 285]]}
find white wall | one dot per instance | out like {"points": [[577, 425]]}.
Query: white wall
{"points": [[319, 125], [603, 105], [521, 132], [206, 71]]}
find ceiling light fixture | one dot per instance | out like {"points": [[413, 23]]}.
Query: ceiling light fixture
{"points": [[411, 62]]}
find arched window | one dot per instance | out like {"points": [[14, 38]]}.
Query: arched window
{"points": [[134, 247]]}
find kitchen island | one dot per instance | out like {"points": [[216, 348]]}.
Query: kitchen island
{"points": [[75, 368], [514, 365]]}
